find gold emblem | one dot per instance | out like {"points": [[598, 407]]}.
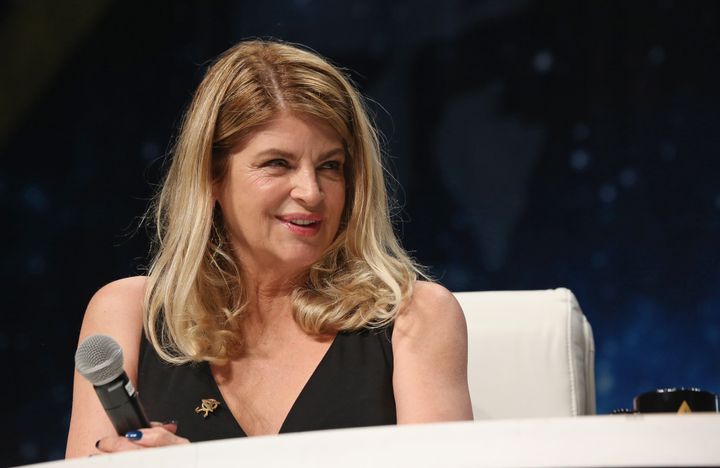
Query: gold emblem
{"points": [[684, 408], [207, 406]]}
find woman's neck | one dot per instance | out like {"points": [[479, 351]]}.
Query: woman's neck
{"points": [[269, 308]]}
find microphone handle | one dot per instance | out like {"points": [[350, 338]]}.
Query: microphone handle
{"points": [[122, 405]]}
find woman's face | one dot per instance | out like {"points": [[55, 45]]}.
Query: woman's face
{"points": [[283, 194]]}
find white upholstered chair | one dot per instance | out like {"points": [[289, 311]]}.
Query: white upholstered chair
{"points": [[530, 354]]}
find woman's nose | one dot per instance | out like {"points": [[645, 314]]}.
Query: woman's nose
{"points": [[306, 187]]}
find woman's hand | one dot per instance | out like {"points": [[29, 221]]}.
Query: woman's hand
{"points": [[158, 435]]}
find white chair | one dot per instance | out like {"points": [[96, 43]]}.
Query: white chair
{"points": [[530, 354]]}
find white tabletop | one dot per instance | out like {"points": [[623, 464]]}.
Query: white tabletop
{"points": [[614, 440]]}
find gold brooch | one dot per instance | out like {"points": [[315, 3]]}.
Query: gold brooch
{"points": [[207, 406]]}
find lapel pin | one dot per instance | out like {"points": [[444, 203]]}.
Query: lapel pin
{"points": [[207, 406]]}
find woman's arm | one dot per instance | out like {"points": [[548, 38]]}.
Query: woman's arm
{"points": [[430, 358], [115, 310]]}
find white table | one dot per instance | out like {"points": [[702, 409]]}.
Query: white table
{"points": [[613, 440]]}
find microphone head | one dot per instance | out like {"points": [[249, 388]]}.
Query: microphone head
{"points": [[99, 359]]}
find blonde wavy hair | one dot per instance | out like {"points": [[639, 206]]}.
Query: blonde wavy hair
{"points": [[195, 301]]}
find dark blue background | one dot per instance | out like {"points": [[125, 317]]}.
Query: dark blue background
{"points": [[538, 144]]}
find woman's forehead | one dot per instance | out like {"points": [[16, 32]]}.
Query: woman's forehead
{"points": [[291, 133]]}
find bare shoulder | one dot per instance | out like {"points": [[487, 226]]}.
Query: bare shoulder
{"points": [[116, 310], [126, 291], [117, 304], [432, 307]]}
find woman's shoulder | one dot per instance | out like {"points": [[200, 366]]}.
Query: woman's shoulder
{"points": [[116, 310], [435, 293], [431, 301], [118, 299], [122, 288], [431, 306]]}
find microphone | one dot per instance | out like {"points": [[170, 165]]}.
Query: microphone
{"points": [[100, 360]]}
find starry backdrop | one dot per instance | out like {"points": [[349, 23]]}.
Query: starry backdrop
{"points": [[538, 145]]}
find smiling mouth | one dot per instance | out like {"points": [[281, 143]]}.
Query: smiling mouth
{"points": [[302, 222]]}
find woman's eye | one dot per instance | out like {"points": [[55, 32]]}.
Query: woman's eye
{"points": [[277, 163], [332, 165]]}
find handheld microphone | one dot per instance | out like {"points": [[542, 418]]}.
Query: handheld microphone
{"points": [[100, 360]]}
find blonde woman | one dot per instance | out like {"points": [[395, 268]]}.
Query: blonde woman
{"points": [[278, 292]]}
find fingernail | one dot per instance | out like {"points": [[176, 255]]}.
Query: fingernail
{"points": [[133, 435], [171, 421], [97, 444]]}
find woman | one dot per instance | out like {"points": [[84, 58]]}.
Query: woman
{"points": [[278, 299]]}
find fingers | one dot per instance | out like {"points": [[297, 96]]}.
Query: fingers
{"points": [[155, 437], [115, 444], [158, 435], [168, 425]]}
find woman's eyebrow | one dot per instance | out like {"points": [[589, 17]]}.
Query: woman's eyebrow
{"points": [[275, 152], [286, 154]]}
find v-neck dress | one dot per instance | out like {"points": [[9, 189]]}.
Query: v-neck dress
{"points": [[351, 387]]}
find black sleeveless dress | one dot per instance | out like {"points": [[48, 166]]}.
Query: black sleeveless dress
{"points": [[351, 387]]}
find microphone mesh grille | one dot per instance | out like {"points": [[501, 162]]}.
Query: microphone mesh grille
{"points": [[99, 359]]}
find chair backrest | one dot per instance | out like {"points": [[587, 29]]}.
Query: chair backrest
{"points": [[530, 354]]}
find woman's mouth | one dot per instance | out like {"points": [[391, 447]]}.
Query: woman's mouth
{"points": [[304, 225]]}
